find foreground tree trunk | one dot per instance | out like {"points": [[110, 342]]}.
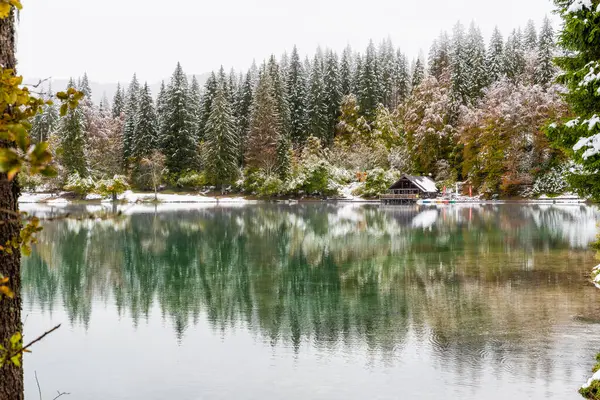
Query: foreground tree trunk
{"points": [[11, 377]]}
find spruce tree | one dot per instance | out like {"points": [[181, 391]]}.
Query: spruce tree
{"points": [[418, 73], [161, 110], [131, 107], [318, 123], [279, 92], [145, 136], [386, 66], [514, 57], [118, 105], [580, 65], [357, 76], [72, 140], [370, 84], [104, 107], [346, 68], [221, 139], [44, 123], [333, 97], [439, 56], [459, 67], [210, 90], [545, 70], [264, 133], [401, 79], [84, 86], [476, 60], [179, 141], [495, 57], [530, 39], [195, 101], [243, 109], [296, 91]]}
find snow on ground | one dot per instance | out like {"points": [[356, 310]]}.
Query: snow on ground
{"points": [[595, 377], [346, 191], [34, 197]]}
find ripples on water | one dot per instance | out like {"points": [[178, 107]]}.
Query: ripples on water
{"points": [[315, 301]]}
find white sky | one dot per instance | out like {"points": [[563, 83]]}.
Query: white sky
{"points": [[112, 39]]}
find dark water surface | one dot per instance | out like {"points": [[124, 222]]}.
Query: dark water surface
{"points": [[315, 301]]}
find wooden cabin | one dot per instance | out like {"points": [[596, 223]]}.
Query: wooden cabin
{"points": [[409, 189]]}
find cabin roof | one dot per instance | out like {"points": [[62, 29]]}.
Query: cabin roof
{"points": [[425, 183]]}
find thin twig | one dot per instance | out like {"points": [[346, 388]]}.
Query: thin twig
{"points": [[38, 339], [61, 394], [38, 385], [37, 84]]}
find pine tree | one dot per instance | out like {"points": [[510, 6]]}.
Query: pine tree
{"points": [[386, 64], [264, 133], [72, 140], [357, 76], [283, 109], [221, 139], [346, 68], [145, 136], [439, 56], [44, 123], [118, 106], [131, 106], [370, 84], [476, 68], [580, 65], [418, 73], [530, 39], [104, 107], [495, 57], [401, 79], [161, 110], [84, 86], [545, 70], [195, 101], [459, 67], [333, 97], [318, 123], [210, 90], [514, 57], [296, 91], [179, 142], [243, 109]]}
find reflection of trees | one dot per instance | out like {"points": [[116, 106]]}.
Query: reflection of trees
{"points": [[462, 278]]}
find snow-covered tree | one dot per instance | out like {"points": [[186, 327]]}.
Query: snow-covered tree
{"points": [[459, 69], [221, 139], [401, 79], [44, 123], [195, 101], [439, 56], [418, 73], [179, 141], [279, 92], [476, 60], [530, 39], [579, 39], [514, 57], [243, 108], [545, 70], [317, 120], [210, 90], [118, 104], [71, 132], [369, 94], [386, 63], [131, 106], [495, 57], [264, 133], [296, 92], [145, 134], [333, 97], [346, 71]]}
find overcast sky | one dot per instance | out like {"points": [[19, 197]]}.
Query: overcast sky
{"points": [[112, 39]]}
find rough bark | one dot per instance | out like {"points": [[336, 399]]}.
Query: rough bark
{"points": [[11, 377]]}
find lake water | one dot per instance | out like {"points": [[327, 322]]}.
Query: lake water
{"points": [[314, 301]]}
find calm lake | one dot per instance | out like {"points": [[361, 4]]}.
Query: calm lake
{"points": [[314, 301]]}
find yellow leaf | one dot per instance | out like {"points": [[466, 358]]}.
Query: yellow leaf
{"points": [[16, 360], [4, 10], [5, 290], [4, 280]]}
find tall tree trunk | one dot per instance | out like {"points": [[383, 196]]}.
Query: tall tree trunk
{"points": [[11, 377]]}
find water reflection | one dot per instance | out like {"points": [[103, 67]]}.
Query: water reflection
{"points": [[478, 288]]}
